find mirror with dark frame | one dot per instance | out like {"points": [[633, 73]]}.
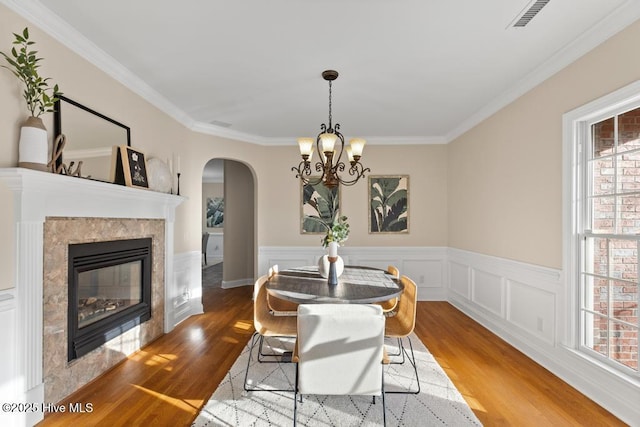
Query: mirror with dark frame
{"points": [[89, 137]]}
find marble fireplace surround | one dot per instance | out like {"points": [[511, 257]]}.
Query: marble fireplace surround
{"points": [[37, 197], [62, 378]]}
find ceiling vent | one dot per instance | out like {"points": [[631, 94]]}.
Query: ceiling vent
{"points": [[532, 9]]}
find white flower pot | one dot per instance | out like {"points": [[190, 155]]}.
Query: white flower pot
{"points": [[33, 150]]}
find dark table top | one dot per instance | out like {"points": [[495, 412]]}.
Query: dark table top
{"points": [[356, 285]]}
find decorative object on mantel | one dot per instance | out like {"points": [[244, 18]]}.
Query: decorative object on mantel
{"points": [[128, 167], [178, 172], [389, 204], [33, 147], [57, 165], [337, 234], [330, 164], [159, 175], [90, 136]]}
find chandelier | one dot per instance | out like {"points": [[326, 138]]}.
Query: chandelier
{"points": [[330, 164]]}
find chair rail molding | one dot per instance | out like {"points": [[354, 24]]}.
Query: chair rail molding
{"points": [[524, 305]]}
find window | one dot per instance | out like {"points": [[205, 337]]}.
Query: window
{"points": [[611, 237], [606, 226]]}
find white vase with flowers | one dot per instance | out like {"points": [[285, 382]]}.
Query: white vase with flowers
{"points": [[337, 234]]}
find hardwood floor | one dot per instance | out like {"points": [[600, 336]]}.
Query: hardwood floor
{"points": [[166, 383]]}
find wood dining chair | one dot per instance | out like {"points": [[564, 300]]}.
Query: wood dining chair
{"points": [[266, 325], [339, 351], [279, 306], [389, 306], [402, 324]]}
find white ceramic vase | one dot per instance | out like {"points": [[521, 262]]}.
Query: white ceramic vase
{"points": [[33, 150], [323, 266]]}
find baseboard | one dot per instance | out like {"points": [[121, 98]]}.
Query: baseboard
{"points": [[228, 284], [523, 304]]}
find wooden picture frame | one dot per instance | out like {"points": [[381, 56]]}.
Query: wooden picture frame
{"points": [[128, 167], [318, 205], [388, 204]]}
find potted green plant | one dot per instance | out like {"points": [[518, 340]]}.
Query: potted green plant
{"points": [[24, 63], [337, 234], [337, 231]]}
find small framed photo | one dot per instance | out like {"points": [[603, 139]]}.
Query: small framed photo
{"points": [[128, 167], [319, 205], [389, 204]]}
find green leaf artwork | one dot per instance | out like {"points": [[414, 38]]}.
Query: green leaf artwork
{"points": [[320, 205], [215, 212], [389, 204]]}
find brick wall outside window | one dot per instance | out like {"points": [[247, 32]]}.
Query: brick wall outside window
{"points": [[611, 287]]}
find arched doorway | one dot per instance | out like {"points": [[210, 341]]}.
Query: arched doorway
{"points": [[228, 224]]}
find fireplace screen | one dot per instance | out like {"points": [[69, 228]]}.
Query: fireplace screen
{"points": [[109, 291]]}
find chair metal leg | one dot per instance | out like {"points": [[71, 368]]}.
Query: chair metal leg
{"points": [[384, 410], [257, 338], [246, 373], [279, 357], [412, 360], [399, 353], [295, 398]]}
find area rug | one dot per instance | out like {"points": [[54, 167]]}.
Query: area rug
{"points": [[438, 403]]}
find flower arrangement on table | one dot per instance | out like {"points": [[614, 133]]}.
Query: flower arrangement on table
{"points": [[337, 231]]}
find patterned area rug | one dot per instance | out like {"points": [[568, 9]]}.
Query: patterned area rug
{"points": [[212, 275], [438, 403]]}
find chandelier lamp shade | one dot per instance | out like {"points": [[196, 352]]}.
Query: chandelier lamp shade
{"points": [[330, 144]]}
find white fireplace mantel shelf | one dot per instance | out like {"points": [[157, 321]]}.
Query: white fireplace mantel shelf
{"points": [[36, 196], [40, 194]]}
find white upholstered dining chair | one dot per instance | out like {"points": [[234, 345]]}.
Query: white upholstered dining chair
{"points": [[339, 351]]}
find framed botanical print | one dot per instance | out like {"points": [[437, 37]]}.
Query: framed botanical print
{"points": [[389, 204], [215, 212], [318, 208]]}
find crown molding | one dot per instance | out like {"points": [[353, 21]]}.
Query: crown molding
{"points": [[35, 12], [615, 22], [52, 24]]}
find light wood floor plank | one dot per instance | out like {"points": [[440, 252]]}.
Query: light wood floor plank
{"points": [[168, 381]]}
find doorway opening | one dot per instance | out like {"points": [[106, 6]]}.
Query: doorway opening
{"points": [[228, 224]]}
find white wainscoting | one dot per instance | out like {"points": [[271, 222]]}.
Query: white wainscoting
{"points": [[425, 265], [10, 381], [524, 305], [185, 293]]}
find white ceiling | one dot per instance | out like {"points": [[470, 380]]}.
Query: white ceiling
{"points": [[411, 71]]}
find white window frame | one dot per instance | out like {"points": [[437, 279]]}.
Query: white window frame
{"points": [[576, 133]]}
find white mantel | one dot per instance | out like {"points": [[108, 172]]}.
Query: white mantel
{"points": [[36, 196]]}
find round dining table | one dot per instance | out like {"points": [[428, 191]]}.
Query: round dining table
{"points": [[356, 285]]}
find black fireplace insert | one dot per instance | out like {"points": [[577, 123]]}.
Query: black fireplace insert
{"points": [[109, 291]]}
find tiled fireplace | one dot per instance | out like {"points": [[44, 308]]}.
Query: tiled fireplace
{"points": [[51, 213], [64, 373]]}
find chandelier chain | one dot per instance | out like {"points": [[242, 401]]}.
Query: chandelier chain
{"points": [[330, 125]]}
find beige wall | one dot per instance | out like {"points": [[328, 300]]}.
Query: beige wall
{"points": [[495, 190], [239, 231], [505, 175], [425, 164]]}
